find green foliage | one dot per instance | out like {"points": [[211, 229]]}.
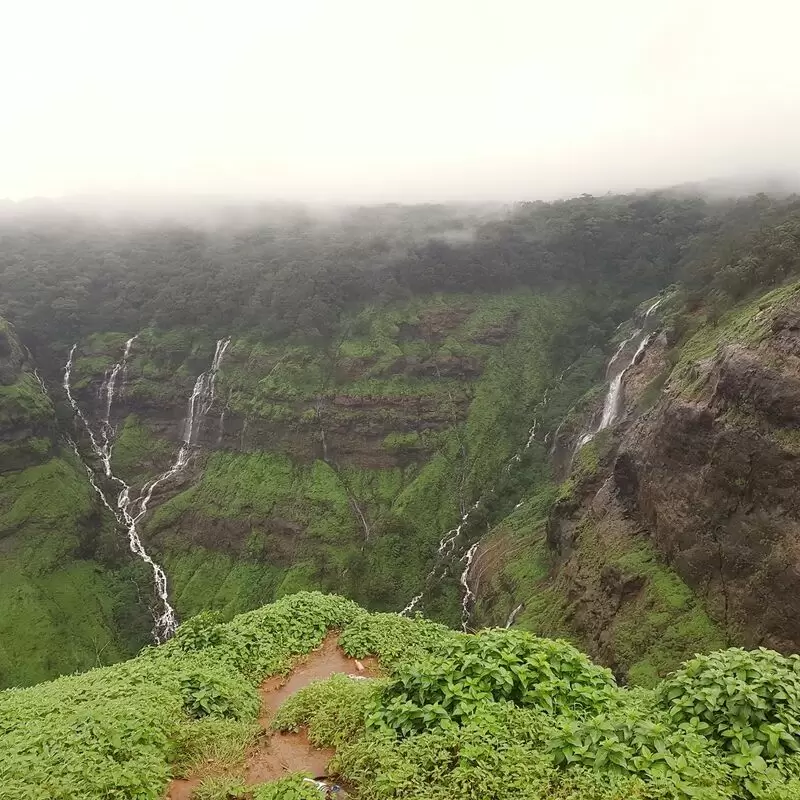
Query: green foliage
{"points": [[62, 611], [220, 787], [743, 323], [211, 744], [633, 740], [138, 452], [332, 709], [22, 403], [208, 692], [292, 787], [746, 701], [500, 752], [113, 732], [394, 639], [492, 666], [501, 714]]}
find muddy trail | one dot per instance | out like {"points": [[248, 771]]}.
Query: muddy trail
{"points": [[275, 754]]}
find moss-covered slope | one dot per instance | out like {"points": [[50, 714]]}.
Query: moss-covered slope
{"points": [[335, 465], [66, 603]]}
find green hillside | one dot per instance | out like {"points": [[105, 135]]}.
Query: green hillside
{"points": [[497, 714]]}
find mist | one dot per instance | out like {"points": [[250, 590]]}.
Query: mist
{"points": [[421, 101]]}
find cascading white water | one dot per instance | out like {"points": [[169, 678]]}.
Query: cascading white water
{"points": [[613, 399], [202, 396], [468, 594], [108, 389], [611, 408], [129, 512], [447, 544], [513, 615], [40, 381]]}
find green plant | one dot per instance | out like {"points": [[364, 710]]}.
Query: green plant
{"points": [[491, 666], [333, 709], [746, 701], [292, 787], [220, 787]]}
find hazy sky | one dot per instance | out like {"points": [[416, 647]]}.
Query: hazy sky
{"points": [[394, 99]]}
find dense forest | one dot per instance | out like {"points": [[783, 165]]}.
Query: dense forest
{"points": [[64, 276]]}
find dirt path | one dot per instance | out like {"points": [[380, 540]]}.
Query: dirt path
{"points": [[277, 754]]}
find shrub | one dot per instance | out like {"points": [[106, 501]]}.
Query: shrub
{"points": [[293, 787], [494, 665], [333, 709], [748, 702]]}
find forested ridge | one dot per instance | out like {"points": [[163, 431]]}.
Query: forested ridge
{"points": [[63, 276]]}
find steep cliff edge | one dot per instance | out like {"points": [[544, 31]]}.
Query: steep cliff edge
{"points": [[712, 471], [674, 531], [338, 464]]}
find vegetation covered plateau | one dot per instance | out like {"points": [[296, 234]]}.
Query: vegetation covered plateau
{"points": [[500, 713]]}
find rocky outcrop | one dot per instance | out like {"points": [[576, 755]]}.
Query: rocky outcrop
{"points": [[678, 528], [712, 475]]}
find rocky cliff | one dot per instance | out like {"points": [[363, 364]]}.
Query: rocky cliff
{"points": [[676, 530], [336, 465]]}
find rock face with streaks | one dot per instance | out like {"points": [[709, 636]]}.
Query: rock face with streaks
{"points": [[677, 529], [712, 475]]}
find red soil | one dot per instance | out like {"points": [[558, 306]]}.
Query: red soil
{"points": [[277, 754]]}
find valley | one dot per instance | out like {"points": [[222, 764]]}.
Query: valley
{"points": [[485, 458]]}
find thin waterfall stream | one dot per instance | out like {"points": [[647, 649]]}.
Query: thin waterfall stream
{"points": [[613, 400], [129, 512], [446, 552]]}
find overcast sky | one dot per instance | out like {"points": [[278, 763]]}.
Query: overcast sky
{"points": [[394, 99]]}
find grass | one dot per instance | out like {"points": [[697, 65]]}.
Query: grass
{"points": [[666, 625], [62, 609], [138, 452], [23, 405], [747, 323]]}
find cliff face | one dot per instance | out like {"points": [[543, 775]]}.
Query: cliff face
{"points": [[68, 596], [336, 465], [27, 423], [712, 472], [676, 530]]}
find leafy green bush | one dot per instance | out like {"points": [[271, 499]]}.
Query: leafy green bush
{"points": [[497, 753], [748, 702], [113, 732], [220, 787], [333, 709], [217, 692], [293, 787], [393, 638], [501, 714], [490, 666], [635, 740]]}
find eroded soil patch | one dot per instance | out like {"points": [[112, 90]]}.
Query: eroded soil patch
{"points": [[277, 754]]}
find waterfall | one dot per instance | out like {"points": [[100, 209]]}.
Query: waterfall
{"points": [[513, 615], [202, 396], [446, 551], [468, 594], [40, 381], [129, 512], [107, 391], [613, 400]]}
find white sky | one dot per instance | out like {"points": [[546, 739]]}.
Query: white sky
{"points": [[393, 99]]}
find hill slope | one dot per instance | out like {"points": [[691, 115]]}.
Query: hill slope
{"points": [[499, 714]]}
